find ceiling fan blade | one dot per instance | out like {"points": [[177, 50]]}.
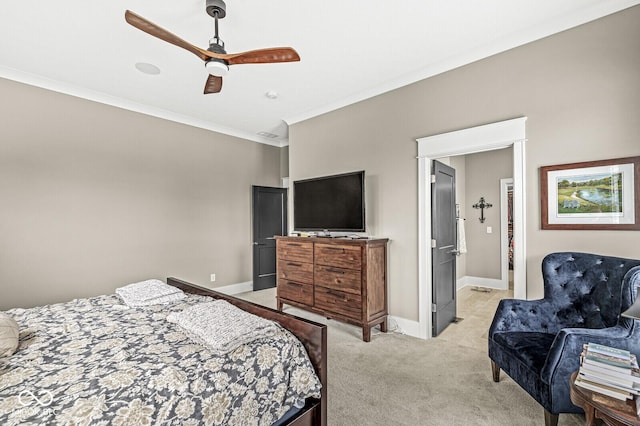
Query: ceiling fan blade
{"points": [[262, 56], [213, 84], [152, 29]]}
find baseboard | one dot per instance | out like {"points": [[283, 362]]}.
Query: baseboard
{"points": [[404, 326], [235, 288], [480, 282], [462, 282]]}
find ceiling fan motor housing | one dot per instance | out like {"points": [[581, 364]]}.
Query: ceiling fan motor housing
{"points": [[217, 66], [216, 45], [216, 7]]}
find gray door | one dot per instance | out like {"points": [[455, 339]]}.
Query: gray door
{"points": [[443, 253], [269, 219]]}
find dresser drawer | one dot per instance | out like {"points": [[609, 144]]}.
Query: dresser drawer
{"points": [[347, 280], [297, 292], [295, 271], [339, 302], [297, 251], [342, 256]]}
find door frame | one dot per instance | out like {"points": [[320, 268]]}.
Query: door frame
{"points": [[443, 315], [488, 137], [505, 184]]}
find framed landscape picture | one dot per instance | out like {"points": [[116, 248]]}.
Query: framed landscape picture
{"points": [[591, 195]]}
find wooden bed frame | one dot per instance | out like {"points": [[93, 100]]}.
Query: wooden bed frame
{"points": [[312, 335]]}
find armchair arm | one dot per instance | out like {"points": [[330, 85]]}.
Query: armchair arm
{"points": [[564, 355], [537, 316]]}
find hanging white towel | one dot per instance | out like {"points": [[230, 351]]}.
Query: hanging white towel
{"points": [[462, 242]]}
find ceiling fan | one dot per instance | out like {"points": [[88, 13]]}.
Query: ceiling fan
{"points": [[216, 58]]}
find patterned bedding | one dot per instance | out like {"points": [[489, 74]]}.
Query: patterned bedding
{"points": [[95, 361]]}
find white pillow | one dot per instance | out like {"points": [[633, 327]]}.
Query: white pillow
{"points": [[9, 335]]}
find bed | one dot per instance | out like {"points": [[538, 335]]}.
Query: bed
{"points": [[96, 361]]}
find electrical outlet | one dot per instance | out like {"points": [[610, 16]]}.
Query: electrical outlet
{"points": [[489, 230], [213, 277]]}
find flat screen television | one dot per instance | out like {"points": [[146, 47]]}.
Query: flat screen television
{"points": [[330, 203]]}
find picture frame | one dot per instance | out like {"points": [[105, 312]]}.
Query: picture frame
{"points": [[591, 195]]}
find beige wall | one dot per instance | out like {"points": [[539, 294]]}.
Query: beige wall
{"points": [[93, 197], [580, 90]]}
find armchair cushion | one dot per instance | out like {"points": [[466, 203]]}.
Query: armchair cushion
{"points": [[538, 342], [530, 349]]}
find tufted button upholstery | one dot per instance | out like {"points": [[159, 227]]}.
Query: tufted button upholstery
{"points": [[538, 342]]}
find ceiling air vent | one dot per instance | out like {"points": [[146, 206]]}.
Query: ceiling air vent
{"points": [[267, 135]]}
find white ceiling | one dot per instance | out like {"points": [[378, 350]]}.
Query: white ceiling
{"points": [[350, 50]]}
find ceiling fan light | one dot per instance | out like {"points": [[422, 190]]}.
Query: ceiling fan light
{"points": [[216, 68]]}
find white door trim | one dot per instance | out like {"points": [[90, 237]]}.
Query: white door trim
{"points": [[492, 136], [504, 231]]}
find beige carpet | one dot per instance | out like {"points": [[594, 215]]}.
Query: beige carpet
{"points": [[400, 380]]}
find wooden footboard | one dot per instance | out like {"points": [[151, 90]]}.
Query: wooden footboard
{"points": [[312, 335]]}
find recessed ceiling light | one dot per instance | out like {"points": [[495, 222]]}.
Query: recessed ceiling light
{"points": [[271, 94], [147, 68]]}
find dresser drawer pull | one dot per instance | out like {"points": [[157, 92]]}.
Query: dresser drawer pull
{"points": [[294, 284], [340, 295], [335, 271], [294, 244], [336, 248], [294, 264]]}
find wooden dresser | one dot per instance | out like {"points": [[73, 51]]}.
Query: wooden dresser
{"points": [[339, 278]]}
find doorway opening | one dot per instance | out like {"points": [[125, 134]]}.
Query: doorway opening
{"points": [[509, 133]]}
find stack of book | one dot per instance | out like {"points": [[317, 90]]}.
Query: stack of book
{"points": [[610, 371]]}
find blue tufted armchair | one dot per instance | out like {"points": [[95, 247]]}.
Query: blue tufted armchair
{"points": [[538, 342]]}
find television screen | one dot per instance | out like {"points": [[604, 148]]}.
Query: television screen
{"points": [[330, 203]]}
